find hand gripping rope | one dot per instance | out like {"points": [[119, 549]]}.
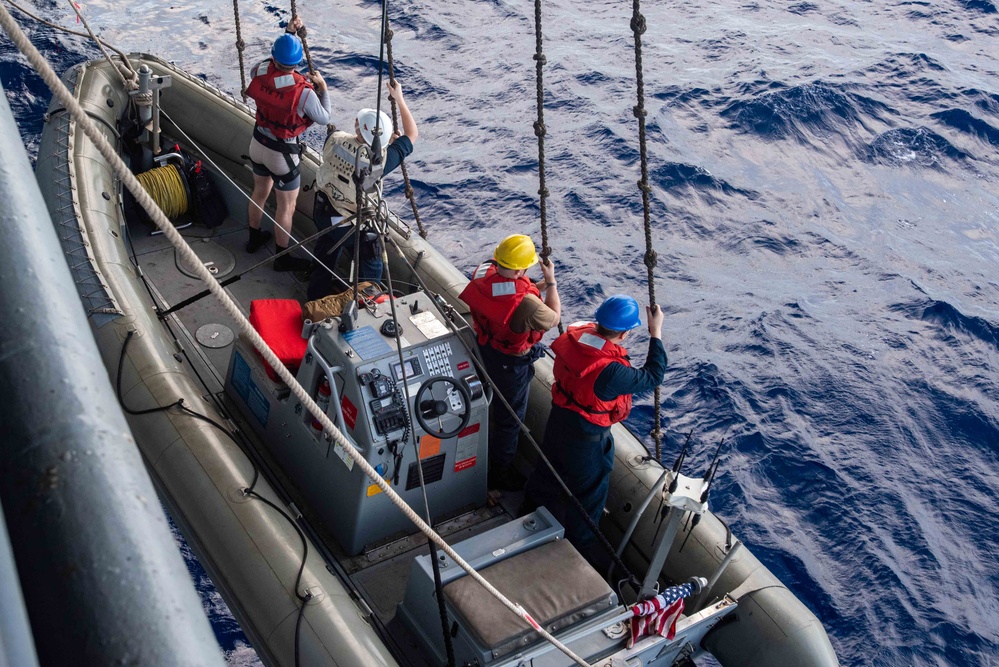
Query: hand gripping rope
{"points": [[638, 27], [540, 131]]}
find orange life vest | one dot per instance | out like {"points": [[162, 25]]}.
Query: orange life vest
{"points": [[580, 356], [277, 94], [493, 299]]}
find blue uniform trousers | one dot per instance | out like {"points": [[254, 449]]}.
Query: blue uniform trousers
{"points": [[511, 377], [583, 455]]}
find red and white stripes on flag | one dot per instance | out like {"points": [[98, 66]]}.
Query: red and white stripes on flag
{"points": [[658, 615]]}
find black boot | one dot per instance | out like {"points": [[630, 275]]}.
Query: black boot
{"points": [[258, 238], [505, 478], [289, 263]]}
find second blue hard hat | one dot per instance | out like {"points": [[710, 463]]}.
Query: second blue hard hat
{"points": [[618, 313], [287, 50]]}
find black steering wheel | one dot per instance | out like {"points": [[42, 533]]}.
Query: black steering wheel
{"points": [[428, 406]]}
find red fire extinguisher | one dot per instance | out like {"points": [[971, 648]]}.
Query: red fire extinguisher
{"points": [[323, 394]]}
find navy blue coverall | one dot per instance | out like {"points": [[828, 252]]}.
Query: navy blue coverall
{"points": [[583, 453], [511, 376]]}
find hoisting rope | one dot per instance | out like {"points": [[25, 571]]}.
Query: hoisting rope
{"points": [[540, 131], [240, 45], [231, 308], [303, 34], [638, 27], [380, 215], [131, 79], [56, 26], [395, 122]]}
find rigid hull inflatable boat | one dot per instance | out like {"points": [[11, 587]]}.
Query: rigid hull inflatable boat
{"points": [[365, 592]]}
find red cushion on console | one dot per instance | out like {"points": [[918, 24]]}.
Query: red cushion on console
{"points": [[279, 323]]}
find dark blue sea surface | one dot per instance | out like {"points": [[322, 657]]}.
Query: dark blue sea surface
{"points": [[826, 217]]}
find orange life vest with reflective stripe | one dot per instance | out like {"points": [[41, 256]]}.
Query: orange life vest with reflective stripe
{"points": [[580, 356], [277, 94], [493, 300]]}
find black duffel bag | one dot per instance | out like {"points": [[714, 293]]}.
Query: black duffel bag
{"points": [[208, 206]]}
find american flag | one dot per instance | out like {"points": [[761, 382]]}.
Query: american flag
{"points": [[659, 615]]}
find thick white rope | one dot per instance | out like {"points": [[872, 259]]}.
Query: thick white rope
{"points": [[191, 259]]}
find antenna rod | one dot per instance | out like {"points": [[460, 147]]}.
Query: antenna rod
{"points": [[708, 473], [683, 453]]}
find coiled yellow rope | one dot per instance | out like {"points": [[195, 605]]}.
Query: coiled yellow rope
{"points": [[166, 187]]}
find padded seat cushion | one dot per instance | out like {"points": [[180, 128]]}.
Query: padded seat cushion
{"points": [[553, 583], [279, 323]]}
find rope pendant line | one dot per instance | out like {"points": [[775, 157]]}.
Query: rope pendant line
{"points": [[302, 34], [410, 195], [638, 26], [539, 126], [240, 45], [540, 131]]}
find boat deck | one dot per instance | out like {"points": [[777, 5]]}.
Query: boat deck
{"points": [[224, 246], [379, 575]]}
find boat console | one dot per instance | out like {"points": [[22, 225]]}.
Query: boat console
{"points": [[404, 391], [378, 379]]}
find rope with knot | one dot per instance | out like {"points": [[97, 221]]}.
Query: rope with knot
{"points": [[240, 46], [410, 195], [638, 26], [540, 131], [303, 34]]}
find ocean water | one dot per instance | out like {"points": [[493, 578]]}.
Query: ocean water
{"points": [[825, 210]]}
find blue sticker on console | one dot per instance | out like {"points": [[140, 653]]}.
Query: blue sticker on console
{"points": [[367, 342]]}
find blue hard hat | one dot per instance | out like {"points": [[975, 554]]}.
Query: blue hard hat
{"points": [[618, 313], [287, 50]]}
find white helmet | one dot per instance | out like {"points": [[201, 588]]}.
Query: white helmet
{"points": [[366, 121]]}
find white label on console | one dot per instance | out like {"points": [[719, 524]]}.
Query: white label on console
{"points": [[428, 324]]}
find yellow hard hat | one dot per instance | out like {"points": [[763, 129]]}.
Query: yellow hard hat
{"points": [[516, 252]]}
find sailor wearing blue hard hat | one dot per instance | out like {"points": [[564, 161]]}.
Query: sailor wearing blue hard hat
{"points": [[594, 383], [287, 103]]}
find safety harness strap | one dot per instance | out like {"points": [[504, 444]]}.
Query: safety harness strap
{"points": [[286, 149]]}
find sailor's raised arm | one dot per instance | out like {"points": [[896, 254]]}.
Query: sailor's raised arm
{"points": [[409, 128]]}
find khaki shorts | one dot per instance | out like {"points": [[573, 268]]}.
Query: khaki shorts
{"points": [[268, 162]]}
